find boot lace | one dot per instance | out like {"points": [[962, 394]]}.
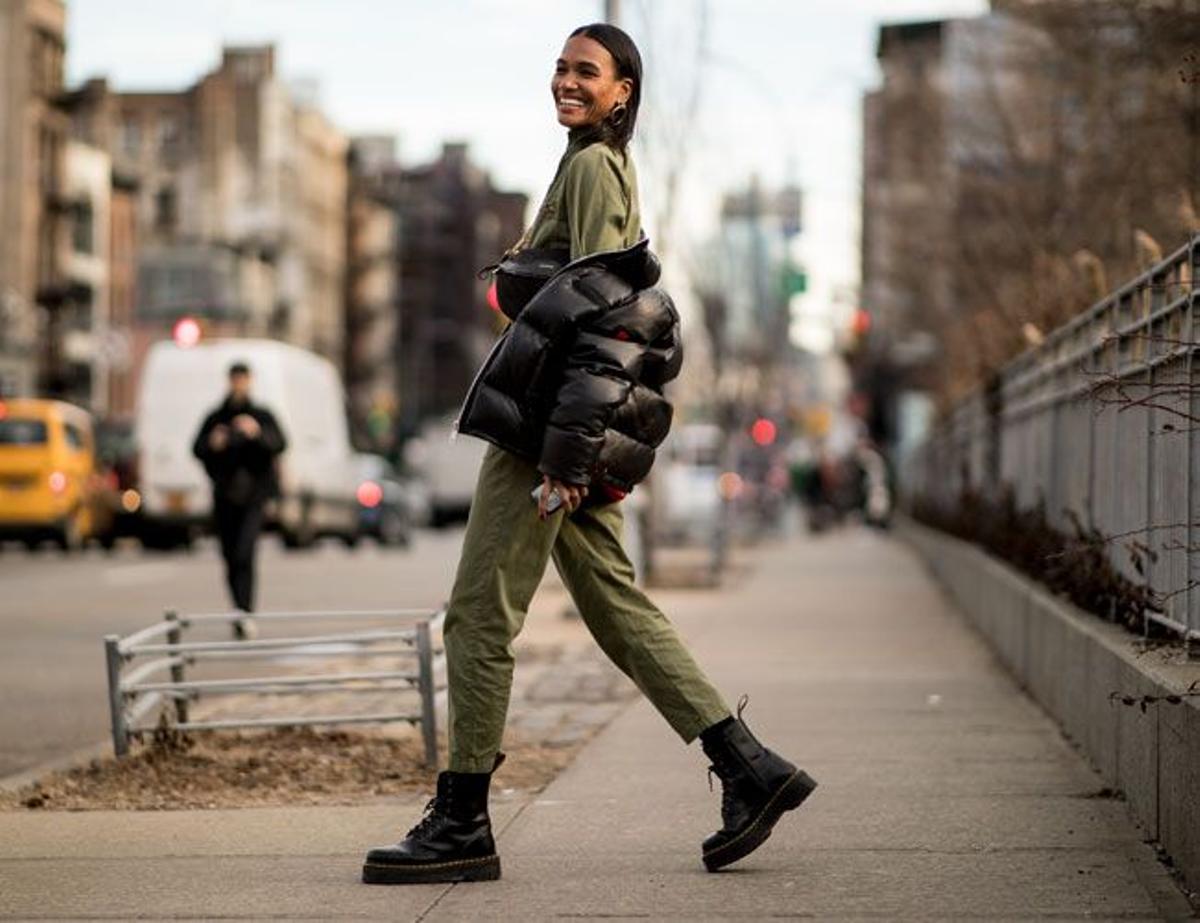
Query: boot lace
{"points": [[729, 801], [727, 773], [743, 701], [433, 814]]}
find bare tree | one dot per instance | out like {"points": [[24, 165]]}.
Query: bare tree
{"points": [[1068, 135], [677, 55]]}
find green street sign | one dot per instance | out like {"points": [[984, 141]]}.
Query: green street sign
{"points": [[795, 281]]}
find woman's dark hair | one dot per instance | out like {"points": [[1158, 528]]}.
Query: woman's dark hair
{"points": [[629, 66]]}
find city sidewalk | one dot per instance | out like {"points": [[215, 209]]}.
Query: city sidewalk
{"points": [[945, 793]]}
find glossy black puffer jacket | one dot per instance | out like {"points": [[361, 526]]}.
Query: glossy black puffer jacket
{"points": [[575, 382]]}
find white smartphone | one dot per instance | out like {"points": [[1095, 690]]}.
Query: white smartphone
{"points": [[553, 503]]}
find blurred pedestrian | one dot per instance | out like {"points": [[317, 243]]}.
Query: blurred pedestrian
{"points": [[571, 401], [238, 444], [873, 481]]}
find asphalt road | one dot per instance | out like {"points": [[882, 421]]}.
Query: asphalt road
{"points": [[54, 611]]}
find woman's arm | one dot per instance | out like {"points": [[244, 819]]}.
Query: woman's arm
{"points": [[599, 373]]}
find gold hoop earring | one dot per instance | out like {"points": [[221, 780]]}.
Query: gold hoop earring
{"points": [[618, 113]]}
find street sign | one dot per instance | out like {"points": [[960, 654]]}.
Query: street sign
{"points": [[795, 281]]}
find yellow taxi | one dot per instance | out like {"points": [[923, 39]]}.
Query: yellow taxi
{"points": [[48, 480]]}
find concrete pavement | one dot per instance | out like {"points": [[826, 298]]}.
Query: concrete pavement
{"points": [[945, 793]]}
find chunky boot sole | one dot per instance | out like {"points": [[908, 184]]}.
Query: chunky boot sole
{"points": [[486, 868], [789, 797]]}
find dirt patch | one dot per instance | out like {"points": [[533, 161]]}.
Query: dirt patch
{"points": [[252, 769]]}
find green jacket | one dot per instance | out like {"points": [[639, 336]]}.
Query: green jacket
{"points": [[592, 203]]}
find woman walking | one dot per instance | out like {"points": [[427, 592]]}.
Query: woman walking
{"points": [[571, 401]]}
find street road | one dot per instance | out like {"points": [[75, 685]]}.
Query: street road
{"points": [[54, 611]]}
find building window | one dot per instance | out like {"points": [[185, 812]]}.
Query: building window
{"points": [[76, 314], [248, 68], [131, 138], [165, 209], [168, 135], [45, 256], [45, 63], [47, 160], [83, 232]]}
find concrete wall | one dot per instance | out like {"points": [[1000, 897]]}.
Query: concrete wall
{"points": [[1071, 663]]}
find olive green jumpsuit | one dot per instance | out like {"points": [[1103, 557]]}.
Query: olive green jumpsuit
{"points": [[591, 206]]}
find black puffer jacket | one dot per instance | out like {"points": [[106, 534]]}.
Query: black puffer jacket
{"points": [[575, 382]]}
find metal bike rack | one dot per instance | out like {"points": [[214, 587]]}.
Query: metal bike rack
{"points": [[150, 667]]}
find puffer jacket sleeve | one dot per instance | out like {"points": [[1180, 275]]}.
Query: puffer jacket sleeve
{"points": [[599, 369], [605, 359], [600, 372]]}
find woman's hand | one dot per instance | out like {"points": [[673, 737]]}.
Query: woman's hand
{"points": [[571, 495]]}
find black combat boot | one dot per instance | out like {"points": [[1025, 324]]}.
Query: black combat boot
{"points": [[453, 841], [757, 786]]}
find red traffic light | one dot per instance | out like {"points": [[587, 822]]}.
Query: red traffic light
{"points": [[763, 431], [187, 332], [369, 494]]}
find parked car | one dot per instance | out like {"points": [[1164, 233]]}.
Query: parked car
{"points": [[49, 488], [689, 483], [449, 466], [303, 390], [116, 464], [384, 511]]}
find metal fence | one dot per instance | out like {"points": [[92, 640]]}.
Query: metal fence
{"points": [[1102, 420], [148, 670]]}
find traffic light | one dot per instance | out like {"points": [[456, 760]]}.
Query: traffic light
{"points": [[763, 432], [187, 332], [369, 494]]}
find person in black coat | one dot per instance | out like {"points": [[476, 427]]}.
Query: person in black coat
{"points": [[238, 444]]}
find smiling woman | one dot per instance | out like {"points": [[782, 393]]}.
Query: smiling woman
{"points": [[571, 396]]}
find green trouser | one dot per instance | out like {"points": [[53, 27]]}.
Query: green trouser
{"points": [[503, 559]]}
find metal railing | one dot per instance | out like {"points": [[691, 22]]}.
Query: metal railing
{"points": [[138, 665], [1099, 422]]}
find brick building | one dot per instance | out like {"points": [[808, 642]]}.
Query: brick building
{"points": [[33, 138]]}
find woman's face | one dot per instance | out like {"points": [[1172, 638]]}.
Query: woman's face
{"points": [[585, 85]]}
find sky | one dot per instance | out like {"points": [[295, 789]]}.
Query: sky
{"points": [[781, 85]]}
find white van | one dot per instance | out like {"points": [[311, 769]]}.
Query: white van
{"points": [[180, 385]]}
